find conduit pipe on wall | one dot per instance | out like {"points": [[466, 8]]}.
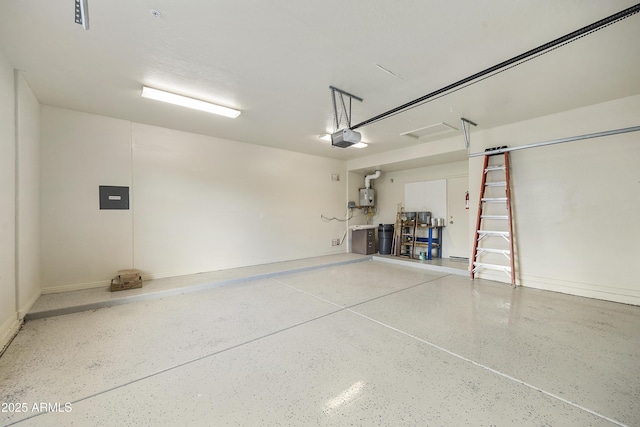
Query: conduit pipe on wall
{"points": [[558, 141], [368, 178]]}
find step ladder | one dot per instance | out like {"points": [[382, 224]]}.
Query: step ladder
{"points": [[494, 224]]}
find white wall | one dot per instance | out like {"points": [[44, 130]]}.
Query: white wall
{"points": [[28, 196], [83, 246], [204, 203], [8, 316], [19, 200], [576, 205], [197, 203], [444, 151]]}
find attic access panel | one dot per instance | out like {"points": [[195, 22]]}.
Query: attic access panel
{"points": [[431, 131], [112, 197]]}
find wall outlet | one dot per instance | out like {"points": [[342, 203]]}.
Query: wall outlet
{"points": [[335, 242]]}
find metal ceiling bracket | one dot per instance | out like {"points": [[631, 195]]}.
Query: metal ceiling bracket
{"points": [[347, 114], [466, 131]]}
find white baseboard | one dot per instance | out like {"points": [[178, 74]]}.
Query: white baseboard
{"points": [[75, 287], [90, 285], [26, 307], [588, 290], [8, 331]]}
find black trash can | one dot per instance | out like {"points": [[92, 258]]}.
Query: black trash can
{"points": [[385, 237]]}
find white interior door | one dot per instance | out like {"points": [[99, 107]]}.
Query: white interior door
{"points": [[456, 242]]}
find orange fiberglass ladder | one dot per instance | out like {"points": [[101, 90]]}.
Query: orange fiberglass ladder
{"points": [[493, 239]]}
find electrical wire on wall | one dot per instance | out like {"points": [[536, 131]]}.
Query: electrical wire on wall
{"points": [[369, 212], [347, 216], [344, 235]]}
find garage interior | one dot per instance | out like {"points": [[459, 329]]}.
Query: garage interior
{"points": [[256, 307]]}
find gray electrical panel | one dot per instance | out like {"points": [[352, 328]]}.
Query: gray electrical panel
{"points": [[367, 197], [112, 197]]}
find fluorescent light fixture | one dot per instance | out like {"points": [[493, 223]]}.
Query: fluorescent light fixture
{"points": [[172, 98], [82, 13]]}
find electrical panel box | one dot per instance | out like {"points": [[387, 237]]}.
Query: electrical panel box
{"points": [[114, 197], [367, 197]]}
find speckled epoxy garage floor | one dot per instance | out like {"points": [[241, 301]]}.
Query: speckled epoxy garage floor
{"points": [[367, 343]]}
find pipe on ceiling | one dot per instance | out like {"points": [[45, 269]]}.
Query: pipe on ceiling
{"points": [[558, 141]]}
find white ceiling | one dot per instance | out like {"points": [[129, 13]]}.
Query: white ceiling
{"points": [[276, 59]]}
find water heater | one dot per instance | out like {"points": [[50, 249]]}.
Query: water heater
{"points": [[367, 197]]}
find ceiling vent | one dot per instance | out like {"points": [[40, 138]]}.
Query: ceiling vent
{"points": [[430, 132]]}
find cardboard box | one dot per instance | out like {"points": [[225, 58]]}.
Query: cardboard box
{"points": [[126, 279]]}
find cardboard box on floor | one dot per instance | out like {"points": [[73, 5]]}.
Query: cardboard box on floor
{"points": [[126, 279]]}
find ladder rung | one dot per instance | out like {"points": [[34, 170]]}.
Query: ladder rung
{"points": [[483, 233], [478, 265], [492, 266], [505, 252], [493, 233], [505, 217], [496, 184], [494, 199], [494, 251], [495, 168]]}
